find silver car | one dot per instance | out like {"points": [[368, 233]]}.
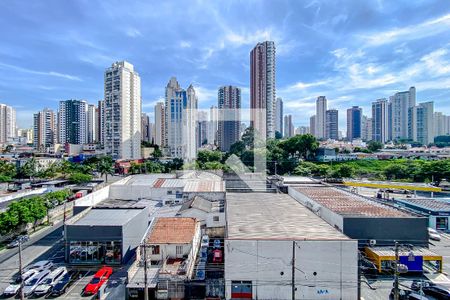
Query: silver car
{"points": [[49, 281], [32, 283]]}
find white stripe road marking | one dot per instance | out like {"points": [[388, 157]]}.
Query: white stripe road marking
{"points": [[74, 285]]}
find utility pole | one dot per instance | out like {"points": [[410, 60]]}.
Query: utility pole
{"points": [[396, 291], [293, 270], [145, 273], [22, 297]]}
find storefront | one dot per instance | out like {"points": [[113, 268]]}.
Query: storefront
{"points": [[104, 235]]}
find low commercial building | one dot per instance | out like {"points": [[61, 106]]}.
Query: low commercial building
{"points": [[359, 218], [104, 235], [278, 249], [437, 210], [171, 247]]}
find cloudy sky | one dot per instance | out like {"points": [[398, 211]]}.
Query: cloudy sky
{"points": [[351, 51]]}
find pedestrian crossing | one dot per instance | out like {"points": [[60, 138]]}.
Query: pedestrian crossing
{"points": [[445, 235]]}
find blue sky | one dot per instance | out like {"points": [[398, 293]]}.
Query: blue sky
{"points": [[351, 51]]}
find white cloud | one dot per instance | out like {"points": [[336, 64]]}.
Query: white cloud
{"points": [[133, 32], [412, 32], [185, 44], [206, 95], [44, 73]]}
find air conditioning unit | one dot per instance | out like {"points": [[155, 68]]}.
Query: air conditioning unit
{"points": [[372, 242]]}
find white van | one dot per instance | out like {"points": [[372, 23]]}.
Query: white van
{"points": [[49, 281]]}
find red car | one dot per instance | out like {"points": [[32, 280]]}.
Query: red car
{"points": [[98, 280], [217, 256]]}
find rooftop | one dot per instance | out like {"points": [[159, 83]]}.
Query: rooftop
{"points": [[146, 180], [172, 231], [107, 217], [348, 204], [389, 251], [427, 204], [270, 216], [204, 186]]}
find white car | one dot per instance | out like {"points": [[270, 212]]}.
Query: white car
{"points": [[433, 234], [49, 281], [32, 283], [27, 274], [11, 290]]}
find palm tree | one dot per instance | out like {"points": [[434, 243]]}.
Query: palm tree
{"points": [[105, 166]]}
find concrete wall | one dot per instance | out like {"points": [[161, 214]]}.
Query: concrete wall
{"points": [[323, 269], [211, 196], [22, 194], [329, 216], [90, 199], [133, 232]]}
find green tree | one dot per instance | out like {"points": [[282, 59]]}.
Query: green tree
{"points": [[374, 146], [343, 171], [29, 169], [79, 178], [396, 171], [105, 166], [301, 146]]}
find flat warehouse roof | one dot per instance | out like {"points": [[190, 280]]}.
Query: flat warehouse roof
{"points": [[108, 217], [427, 204], [270, 216], [348, 204]]}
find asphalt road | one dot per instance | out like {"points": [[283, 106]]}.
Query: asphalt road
{"points": [[442, 247]]}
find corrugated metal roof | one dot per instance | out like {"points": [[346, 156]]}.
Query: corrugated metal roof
{"points": [[169, 183], [430, 204], [172, 231], [204, 186], [108, 217], [270, 216], [345, 203]]}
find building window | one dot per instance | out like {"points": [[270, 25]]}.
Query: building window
{"points": [[155, 250], [169, 192], [179, 250], [441, 223], [216, 218]]}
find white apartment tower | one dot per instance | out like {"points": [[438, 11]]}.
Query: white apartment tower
{"points": [[7, 123], [91, 124], [401, 103], [380, 121], [44, 134], [321, 117], [213, 125], [279, 115], [123, 105], [101, 122], [422, 121]]}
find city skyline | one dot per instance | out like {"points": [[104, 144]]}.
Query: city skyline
{"points": [[349, 64]]}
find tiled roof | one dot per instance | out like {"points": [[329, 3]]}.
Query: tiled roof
{"points": [[345, 203], [202, 186], [430, 204], [172, 231]]}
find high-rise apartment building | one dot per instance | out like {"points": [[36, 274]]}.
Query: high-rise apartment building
{"points": [[159, 128], [7, 123], [262, 89], [302, 130], [423, 123], [401, 103], [72, 122], [213, 125], [202, 128], [44, 129], [366, 129], [441, 124], [288, 126], [332, 124], [321, 116], [380, 120], [146, 134], [354, 122], [279, 115], [101, 122], [91, 124], [229, 104], [181, 121], [122, 136], [312, 125]]}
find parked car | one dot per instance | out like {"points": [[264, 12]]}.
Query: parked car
{"points": [[433, 234], [11, 290], [216, 243], [49, 281], [61, 286], [21, 239], [26, 275], [429, 288], [408, 295], [32, 283], [205, 241], [217, 256], [98, 280]]}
